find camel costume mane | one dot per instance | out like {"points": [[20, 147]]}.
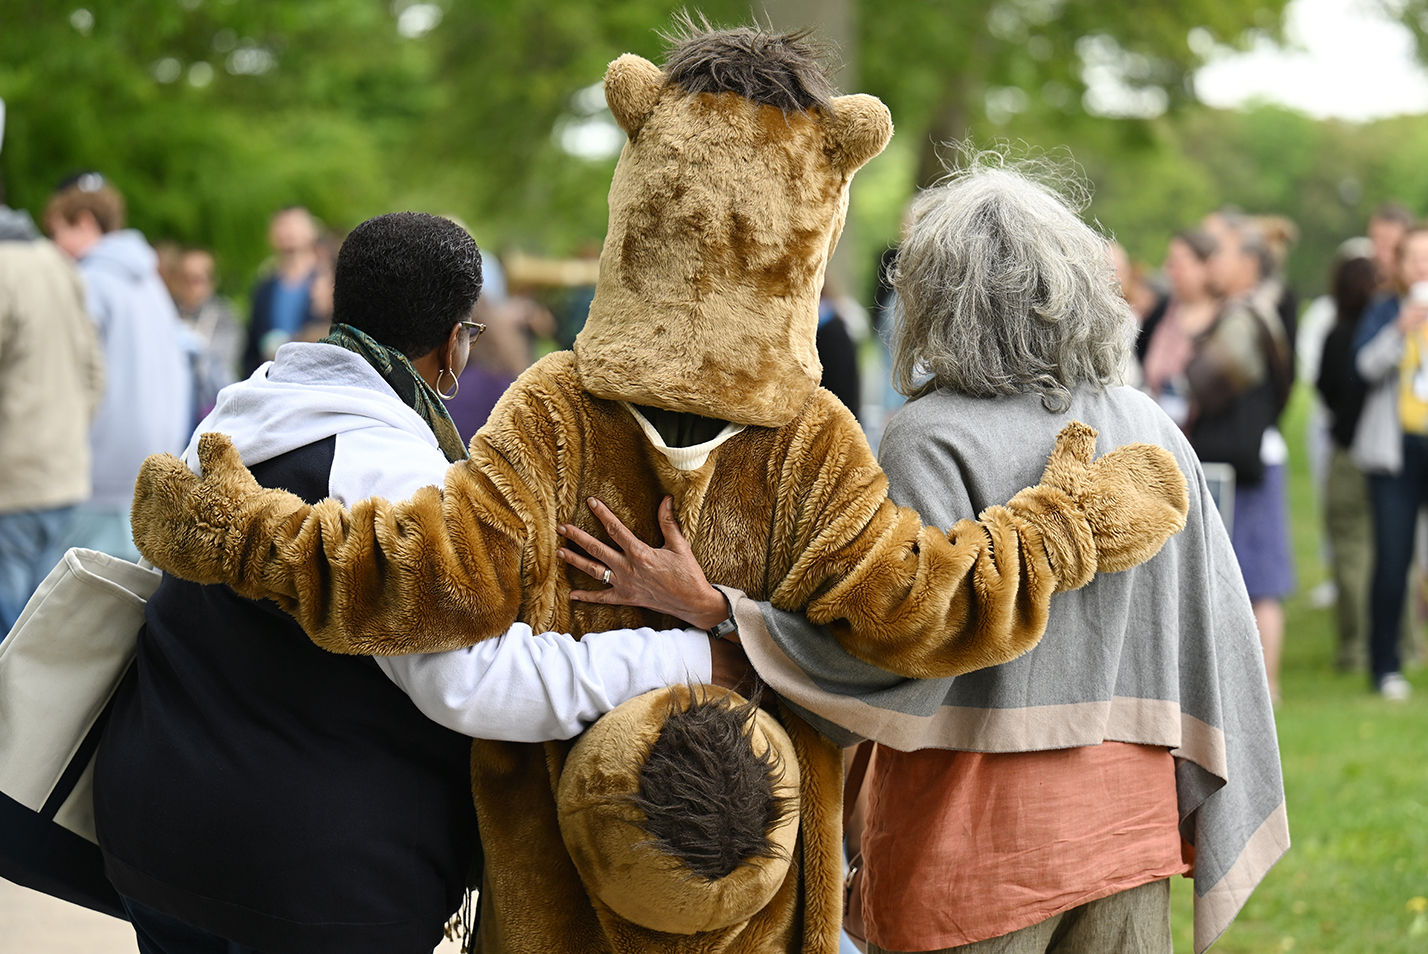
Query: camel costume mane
{"points": [[684, 820]]}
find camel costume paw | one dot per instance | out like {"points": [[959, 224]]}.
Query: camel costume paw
{"points": [[680, 810], [1119, 509], [183, 522]]}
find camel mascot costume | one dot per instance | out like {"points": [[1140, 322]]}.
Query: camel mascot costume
{"points": [[686, 819]]}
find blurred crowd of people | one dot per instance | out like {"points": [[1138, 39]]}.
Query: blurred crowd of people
{"points": [[1215, 352], [114, 349], [1221, 341]]}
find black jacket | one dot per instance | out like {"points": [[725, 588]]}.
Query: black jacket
{"points": [[277, 795], [839, 357], [1339, 384]]}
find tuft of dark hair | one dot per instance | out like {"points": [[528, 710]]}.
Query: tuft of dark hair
{"points": [[707, 797], [783, 70], [406, 278]]}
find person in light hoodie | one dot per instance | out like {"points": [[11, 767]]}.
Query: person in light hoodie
{"points": [[147, 404]]}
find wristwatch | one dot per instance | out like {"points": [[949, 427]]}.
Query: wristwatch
{"points": [[724, 628]]}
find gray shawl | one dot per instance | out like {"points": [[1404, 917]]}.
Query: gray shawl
{"points": [[1164, 654]]}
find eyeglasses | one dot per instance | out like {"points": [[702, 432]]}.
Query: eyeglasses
{"points": [[473, 331]]}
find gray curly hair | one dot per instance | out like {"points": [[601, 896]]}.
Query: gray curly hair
{"points": [[1002, 289]]}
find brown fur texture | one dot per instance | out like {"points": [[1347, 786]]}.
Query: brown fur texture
{"points": [[723, 213], [605, 827], [798, 515], [721, 209]]}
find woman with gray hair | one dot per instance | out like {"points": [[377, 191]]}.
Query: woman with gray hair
{"points": [[1036, 805], [1042, 804], [987, 252]]}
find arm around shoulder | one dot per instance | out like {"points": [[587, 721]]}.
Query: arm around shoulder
{"points": [[923, 602], [434, 572], [534, 687]]}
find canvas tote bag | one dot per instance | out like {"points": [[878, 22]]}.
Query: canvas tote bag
{"points": [[59, 668]]}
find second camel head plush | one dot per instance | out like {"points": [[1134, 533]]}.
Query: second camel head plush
{"points": [[680, 810]]}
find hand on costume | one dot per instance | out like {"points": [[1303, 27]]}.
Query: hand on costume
{"points": [[1100, 516], [666, 580]]}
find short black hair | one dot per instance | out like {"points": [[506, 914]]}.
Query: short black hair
{"points": [[405, 278]]}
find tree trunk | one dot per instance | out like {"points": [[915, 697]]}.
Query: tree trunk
{"points": [[834, 21], [952, 121], [951, 124]]}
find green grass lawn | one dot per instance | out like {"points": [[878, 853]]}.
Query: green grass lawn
{"points": [[1356, 783]]}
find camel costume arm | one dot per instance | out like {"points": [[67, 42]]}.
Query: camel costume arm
{"points": [[923, 602], [436, 572], [445, 568]]}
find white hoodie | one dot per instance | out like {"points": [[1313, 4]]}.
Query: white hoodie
{"points": [[148, 396], [519, 687]]}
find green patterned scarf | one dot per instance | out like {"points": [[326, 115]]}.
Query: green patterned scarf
{"points": [[397, 370]]}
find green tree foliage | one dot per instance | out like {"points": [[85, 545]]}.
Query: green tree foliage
{"points": [[208, 116], [1327, 176], [509, 74], [954, 68]]}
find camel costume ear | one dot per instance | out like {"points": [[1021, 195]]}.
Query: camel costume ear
{"points": [[860, 129], [632, 85], [659, 865]]}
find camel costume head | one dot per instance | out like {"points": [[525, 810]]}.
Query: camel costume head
{"points": [[726, 204], [680, 810]]}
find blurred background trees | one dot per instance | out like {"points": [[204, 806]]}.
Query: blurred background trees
{"points": [[209, 114]]}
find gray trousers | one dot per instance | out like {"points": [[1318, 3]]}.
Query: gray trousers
{"points": [[1348, 522], [1135, 921]]}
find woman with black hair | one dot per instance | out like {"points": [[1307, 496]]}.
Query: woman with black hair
{"points": [[255, 792]]}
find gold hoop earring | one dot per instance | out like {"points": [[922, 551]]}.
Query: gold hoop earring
{"points": [[455, 384]]}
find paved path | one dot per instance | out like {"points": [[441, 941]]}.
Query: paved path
{"points": [[34, 923]]}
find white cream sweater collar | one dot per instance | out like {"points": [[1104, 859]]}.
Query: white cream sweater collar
{"points": [[682, 458]]}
